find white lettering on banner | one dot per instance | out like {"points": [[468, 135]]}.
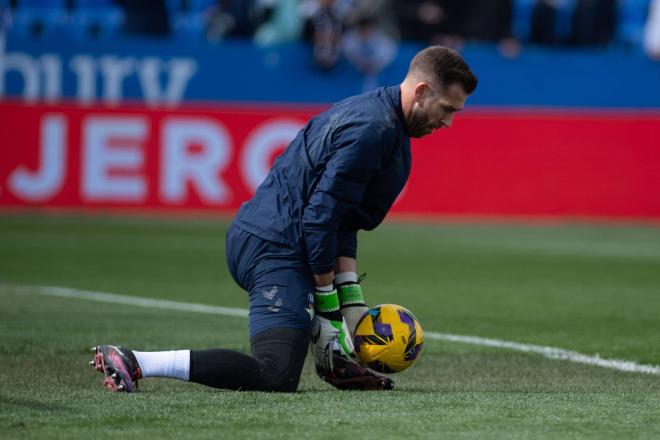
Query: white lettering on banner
{"points": [[260, 145], [23, 64], [52, 69], [193, 154], [114, 70], [85, 69], [180, 70], [180, 164], [48, 180], [42, 77], [101, 158]]}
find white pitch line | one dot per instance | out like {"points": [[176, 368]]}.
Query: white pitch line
{"points": [[548, 352], [111, 298]]}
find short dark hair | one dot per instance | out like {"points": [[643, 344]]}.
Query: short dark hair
{"points": [[438, 63]]}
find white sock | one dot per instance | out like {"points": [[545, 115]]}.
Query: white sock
{"points": [[174, 364]]}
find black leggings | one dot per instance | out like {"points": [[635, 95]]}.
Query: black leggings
{"points": [[278, 355]]}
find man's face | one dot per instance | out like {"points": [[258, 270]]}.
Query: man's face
{"points": [[434, 108]]}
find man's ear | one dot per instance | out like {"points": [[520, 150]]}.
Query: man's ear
{"points": [[421, 90]]}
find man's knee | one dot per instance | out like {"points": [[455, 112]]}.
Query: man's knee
{"points": [[281, 383], [281, 353]]}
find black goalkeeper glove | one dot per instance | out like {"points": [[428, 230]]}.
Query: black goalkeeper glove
{"points": [[347, 375]]}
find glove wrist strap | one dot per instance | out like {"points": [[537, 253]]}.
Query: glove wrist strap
{"points": [[327, 303], [351, 295]]}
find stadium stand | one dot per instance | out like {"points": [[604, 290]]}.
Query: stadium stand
{"points": [[632, 16], [39, 18], [96, 19], [190, 19]]}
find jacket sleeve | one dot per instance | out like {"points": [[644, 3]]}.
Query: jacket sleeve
{"points": [[357, 153], [347, 242]]}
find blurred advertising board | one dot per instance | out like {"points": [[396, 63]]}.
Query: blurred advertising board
{"points": [[211, 158]]}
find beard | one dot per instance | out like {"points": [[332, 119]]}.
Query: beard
{"points": [[417, 125]]}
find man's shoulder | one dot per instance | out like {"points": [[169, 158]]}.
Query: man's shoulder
{"points": [[379, 99], [377, 109]]}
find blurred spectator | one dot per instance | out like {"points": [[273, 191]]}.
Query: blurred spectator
{"points": [[594, 22], [230, 18], [324, 29], [551, 22], [450, 22], [369, 49], [38, 18], [145, 17], [93, 19], [7, 5], [282, 22], [492, 21], [543, 26], [381, 11], [574, 22], [6, 14], [652, 31], [426, 21], [487, 20]]}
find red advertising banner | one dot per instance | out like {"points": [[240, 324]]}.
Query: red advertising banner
{"points": [[194, 158]]}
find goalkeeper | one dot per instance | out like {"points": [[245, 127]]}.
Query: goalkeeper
{"points": [[293, 246]]}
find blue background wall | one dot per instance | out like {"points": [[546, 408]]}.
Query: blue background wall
{"points": [[239, 71]]}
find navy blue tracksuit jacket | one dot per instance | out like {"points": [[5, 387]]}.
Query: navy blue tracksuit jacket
{"points": [[340, 174]]}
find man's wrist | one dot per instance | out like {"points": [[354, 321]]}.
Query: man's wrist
{"points": [[350, 292], [324, 279], [346, 278]]}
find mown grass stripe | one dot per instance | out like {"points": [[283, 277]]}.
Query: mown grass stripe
{"points": [[548, 352]]}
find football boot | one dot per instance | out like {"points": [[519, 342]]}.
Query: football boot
{"points": [[119, 366]]}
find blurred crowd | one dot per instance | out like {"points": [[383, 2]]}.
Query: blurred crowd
{"points": [[364, 32]]}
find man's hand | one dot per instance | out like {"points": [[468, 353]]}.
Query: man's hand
{"points": [[324, 334], [329, 326], [347, 375], [351, 299]]}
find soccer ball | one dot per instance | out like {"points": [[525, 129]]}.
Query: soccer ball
{"points": [[388, 338]]}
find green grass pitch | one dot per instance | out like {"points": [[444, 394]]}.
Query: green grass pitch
{"points": [[594, 289]]}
